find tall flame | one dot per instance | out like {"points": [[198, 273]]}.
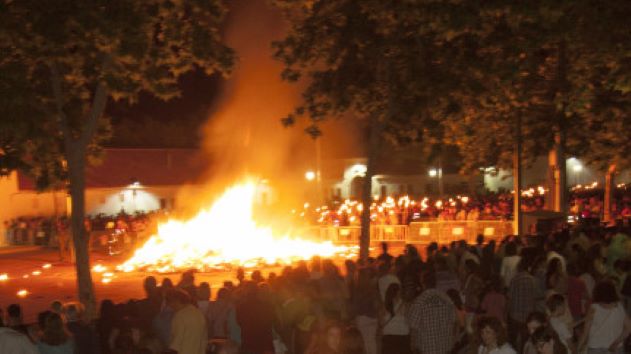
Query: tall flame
{"points": [[224, 234]]}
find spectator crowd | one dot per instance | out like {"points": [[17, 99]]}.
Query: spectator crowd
{"points": [[565, 292], [585, 203], [48, 231]]}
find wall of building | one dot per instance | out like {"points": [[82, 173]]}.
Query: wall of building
{"points": [[577, 171]]}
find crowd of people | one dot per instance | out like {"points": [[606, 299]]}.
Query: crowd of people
{"points": [[404, 210], [47, 231], [585, 203], [566, 292]]}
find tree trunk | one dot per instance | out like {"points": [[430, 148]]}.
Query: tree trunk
{"points": [[367, 199], [560, 186], [75, 154], [560, 136], [610, 180], [517, 182], [550, 203]]}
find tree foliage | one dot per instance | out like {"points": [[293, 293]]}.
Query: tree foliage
{"points": [[61, 62], [460, 72]]}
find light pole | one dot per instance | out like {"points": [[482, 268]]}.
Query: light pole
{"points": [[577, 168], [437, 173]]}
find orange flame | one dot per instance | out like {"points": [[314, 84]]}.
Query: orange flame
{"points": [[224, 234]]}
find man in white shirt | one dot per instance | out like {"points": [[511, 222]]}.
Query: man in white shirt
{"points": [[14, 342], [189, 333]]}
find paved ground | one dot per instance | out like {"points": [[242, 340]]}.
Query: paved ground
{"points": [[58, 282]]}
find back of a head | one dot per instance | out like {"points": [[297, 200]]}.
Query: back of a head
{"points": [[511, 249], [605, 293], [150, 284], [72, 312], [222, 294], [429, 280], [41, 319], [14, 311], [177, 297], [471, 266], [522, 265], [54, 331], [57, 306], [352, 342], [107, 309], [555, 302], [203, 292]]}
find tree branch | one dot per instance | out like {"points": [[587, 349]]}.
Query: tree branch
{"points": [[98, 105], [58, 96]]}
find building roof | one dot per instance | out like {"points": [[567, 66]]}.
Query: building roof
{"points": [[149, 167]]}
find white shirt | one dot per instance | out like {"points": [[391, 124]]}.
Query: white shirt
{"points": [[607, 325], [560, 326], [15, 342], [504, 349], [384, 282], [397, 325], [509, 268]]}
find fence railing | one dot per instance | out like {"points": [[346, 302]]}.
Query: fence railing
{"points": [[425, 232]]}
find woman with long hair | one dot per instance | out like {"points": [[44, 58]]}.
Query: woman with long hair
{"points": [[328, 341], [535, 321], [492, 337], [394, 326], [55, 339], [606, 325], [546, 341], [556, 279]]}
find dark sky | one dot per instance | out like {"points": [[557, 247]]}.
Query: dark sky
{"points": [[245, 28]]}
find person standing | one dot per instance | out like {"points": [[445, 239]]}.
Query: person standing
{"points": [[189, 334], [492, 337], [12, 341], [395, 329], [55, 339], [255, 316], [606, 324], [432, 319], [523, 294]]}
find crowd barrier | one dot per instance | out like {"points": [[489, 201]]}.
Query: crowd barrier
{"points": [[442, 232]]}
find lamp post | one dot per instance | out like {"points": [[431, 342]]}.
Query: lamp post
{"points": [[577, 168], [437, 173]]}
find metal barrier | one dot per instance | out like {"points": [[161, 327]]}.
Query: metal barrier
{"points": [[425, 232]]}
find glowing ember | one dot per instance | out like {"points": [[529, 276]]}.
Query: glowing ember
{"points": [[25, 276], [4, 277], [47, 266], [37, 272], [106, 280], [99, 268], [22, 293], [223, 235]]}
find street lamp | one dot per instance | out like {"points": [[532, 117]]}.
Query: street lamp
{"points": [[577, 168], [437, 172], [310, 175]]}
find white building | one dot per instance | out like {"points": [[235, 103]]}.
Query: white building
{"points": [[129, 180]]}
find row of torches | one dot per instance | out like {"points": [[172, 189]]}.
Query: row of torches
{"points": [[348, 207]]}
